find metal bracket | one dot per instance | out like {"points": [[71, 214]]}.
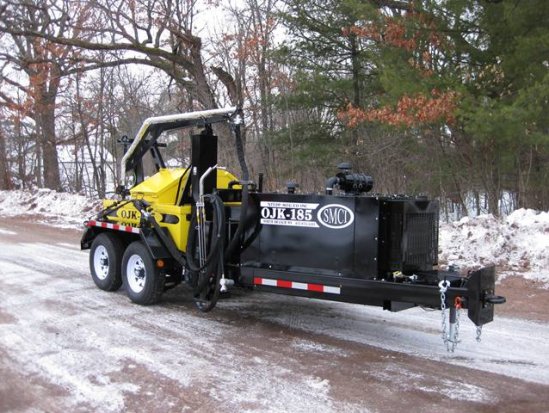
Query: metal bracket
{"points": [[480, 295]]}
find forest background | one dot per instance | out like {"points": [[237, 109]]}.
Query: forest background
{"points": [[447, 98]]}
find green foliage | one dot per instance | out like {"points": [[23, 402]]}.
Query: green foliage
{"points": [[493, 56], [330, 70]]}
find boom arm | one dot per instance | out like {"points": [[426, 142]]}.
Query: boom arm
{"points": [[159, 124]]}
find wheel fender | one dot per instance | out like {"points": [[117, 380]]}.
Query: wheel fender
{"points": [[154, 244]]}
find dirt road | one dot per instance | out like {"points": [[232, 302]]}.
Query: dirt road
{"points": [[67, 346]]}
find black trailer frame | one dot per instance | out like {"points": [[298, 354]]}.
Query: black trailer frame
{"points": [[477, 295]]}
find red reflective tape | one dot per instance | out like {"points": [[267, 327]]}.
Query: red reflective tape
{"points": [[319, 288], [315, 287], [108, 225], [283, 284]]}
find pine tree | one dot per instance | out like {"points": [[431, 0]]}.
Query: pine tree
{"points": [[463, 83]]}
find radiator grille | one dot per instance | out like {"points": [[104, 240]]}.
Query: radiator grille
{"points": [[421, 240], [408, 235]]}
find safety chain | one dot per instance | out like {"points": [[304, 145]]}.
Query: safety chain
{"points": [[450, 342], [443, 285], [479, 334]]}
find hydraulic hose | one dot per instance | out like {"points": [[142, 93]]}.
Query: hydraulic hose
{"points": [[142, 206], [213, 261], [117, 205]]}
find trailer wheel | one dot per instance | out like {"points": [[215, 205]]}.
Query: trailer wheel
{"points": [[143, 281], [105, 256]]}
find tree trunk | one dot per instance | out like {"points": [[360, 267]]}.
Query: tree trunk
{"points": [[50, 162], [38, 167], [356, 83], [5, 176], [44, 108], [493, 187]]}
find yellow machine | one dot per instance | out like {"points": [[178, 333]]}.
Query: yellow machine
{"points": [[142, 239], [162, 192]]}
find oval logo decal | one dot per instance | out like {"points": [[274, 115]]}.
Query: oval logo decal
{"points": [[335, 216]]}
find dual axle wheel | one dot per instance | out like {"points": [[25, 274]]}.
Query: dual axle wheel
{"points": [[112, 266]]}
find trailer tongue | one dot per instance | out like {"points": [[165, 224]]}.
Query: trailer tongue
{"points": [[203, 226]]}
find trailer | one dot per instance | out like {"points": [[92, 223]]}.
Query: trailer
{"points": [[202, 225]]}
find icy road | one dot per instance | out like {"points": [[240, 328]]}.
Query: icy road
{"points": [[67, 346]]}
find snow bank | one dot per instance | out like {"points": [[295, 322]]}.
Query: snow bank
{"points": [[516, 243], [59, 208]]}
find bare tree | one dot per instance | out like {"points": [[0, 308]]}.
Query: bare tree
{"points": [[154, 33], [244, 66], [5, 175], [44, 63], [157, 33]]}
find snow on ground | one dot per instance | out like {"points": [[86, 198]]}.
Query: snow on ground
{"points": [[518, 243], [512, 347], [58, 208], [88, 341]]}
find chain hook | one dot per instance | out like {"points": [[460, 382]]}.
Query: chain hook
{"points": [[443, 285]]}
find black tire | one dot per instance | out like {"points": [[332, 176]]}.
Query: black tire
{"points": [[143, 281], [105, 259]]}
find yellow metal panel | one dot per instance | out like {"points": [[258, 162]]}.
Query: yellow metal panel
{"points": [[161, 190], [223, 179], [180, 230], [126, 215], [161, 187]]}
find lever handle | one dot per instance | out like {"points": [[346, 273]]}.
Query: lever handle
{"points": [[495, 299]]}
